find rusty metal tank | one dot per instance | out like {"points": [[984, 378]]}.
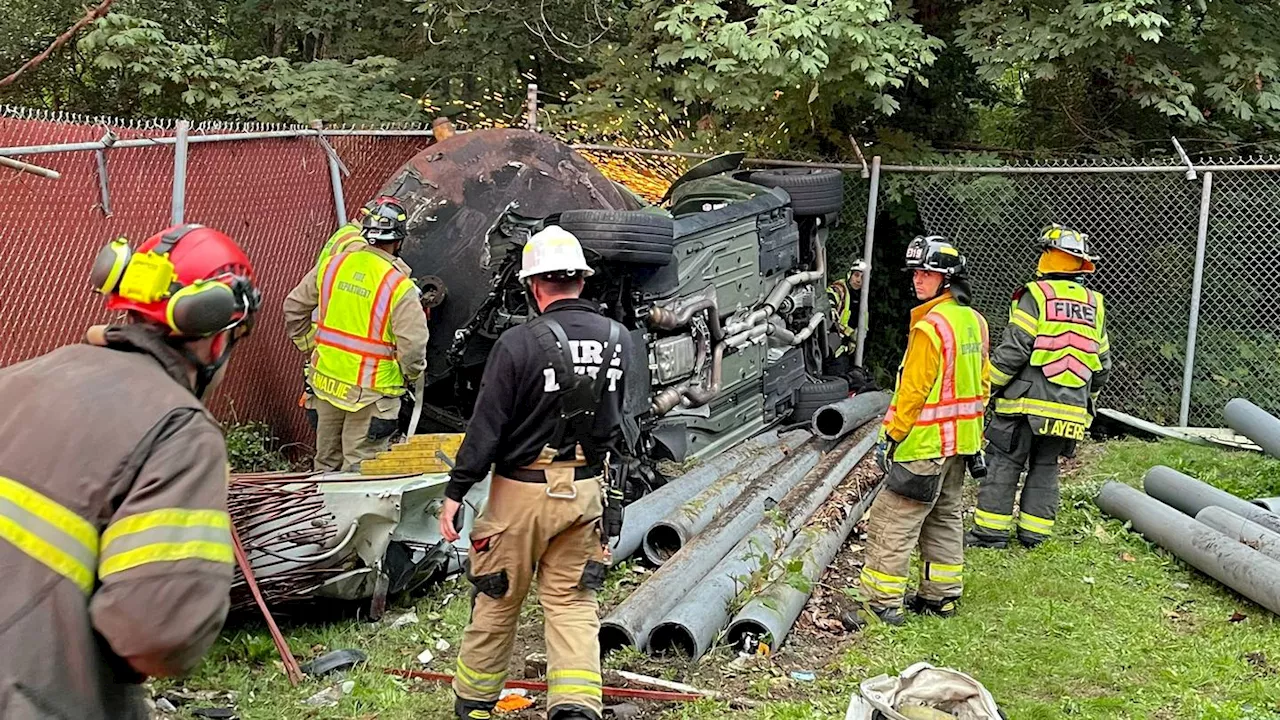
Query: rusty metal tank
{"points": [[459, 188]]}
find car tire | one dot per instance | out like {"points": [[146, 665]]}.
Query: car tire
{"points": [[813, 191], [817, 394], [620, 236]]}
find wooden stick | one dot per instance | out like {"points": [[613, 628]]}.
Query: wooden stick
{"points": [[630, 693], [680, 687], [291, 668], [61, 40]]}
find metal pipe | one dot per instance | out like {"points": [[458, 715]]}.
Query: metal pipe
{"points": [[1197, 281], [693, 624], [780, 331], [20, 166], [335, 177], [868, 244], [1268, 503], [779, 293], [1189, 496], [640, 515], [1077, 169], [195, 139], [769, 616], [178, 211], [1254, 423], [1242, 531], [629, 624], [1241, 568], [681, 313], [836, 420], [665, 538], [104, 183]]}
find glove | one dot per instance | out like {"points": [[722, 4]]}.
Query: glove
{"points": [[884, 454]]}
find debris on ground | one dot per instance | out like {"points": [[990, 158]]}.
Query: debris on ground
{"points": [[336, 660], [923, 692], [405, 620], [425, 657], [513, 701], [330, 696], [803, 676]]}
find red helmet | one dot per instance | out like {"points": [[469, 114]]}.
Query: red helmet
{"points": [[192, 278]]}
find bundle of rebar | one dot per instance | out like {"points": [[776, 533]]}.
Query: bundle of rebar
{"points": [[284, 527]]}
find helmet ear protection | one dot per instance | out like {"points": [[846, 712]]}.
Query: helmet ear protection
{"points": [[200, 309]]}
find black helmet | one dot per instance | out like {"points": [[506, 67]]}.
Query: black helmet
{"points": [[934, 253], [1071, 242], [384, 221]]}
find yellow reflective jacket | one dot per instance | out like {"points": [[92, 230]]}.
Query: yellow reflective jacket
{"points": [[943, 383]]}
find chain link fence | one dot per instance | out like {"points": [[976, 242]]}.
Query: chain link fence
{"points": [[1143, 218], [273, 194], [1144, 222]]}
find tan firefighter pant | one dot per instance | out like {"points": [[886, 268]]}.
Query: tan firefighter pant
{"points": [[899, 523], [344, 438], [523, 528]]}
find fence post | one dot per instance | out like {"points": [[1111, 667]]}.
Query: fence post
{"points": [[868, 243], [531, 108], [335, 177], [179, 207], [1197, 280]]}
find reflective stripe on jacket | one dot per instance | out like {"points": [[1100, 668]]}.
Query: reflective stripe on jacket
{"points": [[950, 420], [1054, 356], [355, 345], [115, 541]]}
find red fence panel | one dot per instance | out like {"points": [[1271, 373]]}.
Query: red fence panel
{"points": [[273, 196]]}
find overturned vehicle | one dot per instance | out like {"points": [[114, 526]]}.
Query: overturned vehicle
{"points": [[721, 285]]}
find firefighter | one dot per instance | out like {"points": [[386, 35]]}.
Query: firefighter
{"points": [[933, 429], [844, 296], [370, 340], [1050, 365], [346, 238], [114, 535], [547, 418]]}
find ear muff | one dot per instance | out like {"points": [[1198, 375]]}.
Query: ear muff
{"points": [[202, 308], [109, 266]]}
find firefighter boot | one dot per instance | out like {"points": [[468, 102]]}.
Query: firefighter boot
{"points": [[473, 709], [944, 608], [859, 619], [572, 712], [979, 539]]}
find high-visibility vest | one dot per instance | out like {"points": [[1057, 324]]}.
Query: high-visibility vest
{"points": [[1068, 332], [950, 423], [354, 342], [841, 297], [344, 237]]}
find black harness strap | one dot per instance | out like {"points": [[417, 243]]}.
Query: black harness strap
{"points": [[579, 394]]}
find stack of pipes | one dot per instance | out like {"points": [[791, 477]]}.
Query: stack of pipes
{"points": [[719, 533]]}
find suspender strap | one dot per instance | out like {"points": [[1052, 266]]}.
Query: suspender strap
{"points": [[580, 396]]}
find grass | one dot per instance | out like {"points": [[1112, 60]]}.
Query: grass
{"points": [[1095, 624]]}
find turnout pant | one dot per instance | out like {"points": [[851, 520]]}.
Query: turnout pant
{"points": [[1011, 446], [528, 526], [920, 504], [344, 438]]}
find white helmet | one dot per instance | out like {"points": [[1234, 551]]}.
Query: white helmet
{"points": [[553, 250]]}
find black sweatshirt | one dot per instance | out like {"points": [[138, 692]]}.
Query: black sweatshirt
{"points": [[515, 414]]}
